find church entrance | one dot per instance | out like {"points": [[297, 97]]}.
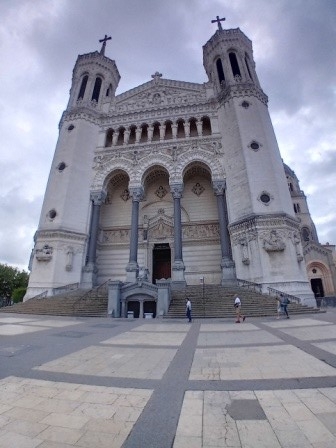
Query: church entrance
{"points": [[161, 262], [317, 287]]}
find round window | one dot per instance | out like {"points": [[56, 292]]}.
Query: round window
{"points": [[71, 127], [255, 146], [52, 214], [61, 166], [265, 198], [245, 104]]}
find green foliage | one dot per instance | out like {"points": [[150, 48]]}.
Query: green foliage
{"points": [[10, 279], [18, 294]]}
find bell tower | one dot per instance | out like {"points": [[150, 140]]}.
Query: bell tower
{"points": [[61, 241], [262, 223]]}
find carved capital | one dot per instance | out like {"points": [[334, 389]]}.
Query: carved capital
{"points": [[219, 187], [137, 193], [176, 190], [98, 197]]}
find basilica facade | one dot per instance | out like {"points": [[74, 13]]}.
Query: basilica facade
{"points": [[170, 180]]}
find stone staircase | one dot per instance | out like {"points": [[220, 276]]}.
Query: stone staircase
{"points": [[80, 302], [217, 301]]}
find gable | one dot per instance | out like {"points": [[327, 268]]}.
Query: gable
{"points": [[157, 94]]}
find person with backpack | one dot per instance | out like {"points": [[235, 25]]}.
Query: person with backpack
{"points": [[284, 302]]}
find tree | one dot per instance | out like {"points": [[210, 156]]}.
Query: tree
{"points": [[10, 279]]}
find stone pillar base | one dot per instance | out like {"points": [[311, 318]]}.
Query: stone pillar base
{"points": [[228, 273], [89, 276], [132, 272], [178, 272], [114, 299]]}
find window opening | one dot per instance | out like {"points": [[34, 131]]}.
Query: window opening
{"points": [[234, 64], [180, 129], [109, 137], [206, 126], [82, 88], [169, 131], [144, 133], [132, 136], [220, 70], [96, 90], [248, 67], [156, 132], [193, 128], [120, 140]]}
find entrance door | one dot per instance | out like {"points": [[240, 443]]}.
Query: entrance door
{"points": [[161, 262], [317, 287]]}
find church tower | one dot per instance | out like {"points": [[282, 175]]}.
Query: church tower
{"points": [[264, 230], [62, 239]]}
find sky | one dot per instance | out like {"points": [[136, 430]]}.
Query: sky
{"points": [[294, 44]]}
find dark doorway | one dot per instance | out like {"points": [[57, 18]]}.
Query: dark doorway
{"points": [[317, 287], [161, 262], [150, 307], [134, 306]]}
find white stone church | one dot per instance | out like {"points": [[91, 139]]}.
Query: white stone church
{"points": [[172, 183]]}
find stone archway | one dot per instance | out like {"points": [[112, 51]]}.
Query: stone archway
{"points": [[320, 278]]}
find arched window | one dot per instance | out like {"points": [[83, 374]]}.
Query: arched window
{"points": [[206, 126], [109, 90], [96, 90], [220, 70], [109, 137], [82, 88], [180, 129], [193, 128], [144, 133], [132, 136], [305, 234], [156, 132], [248, 66], [234, 64], [298, 208], [290, 186], [169, 131], [120, 140]]}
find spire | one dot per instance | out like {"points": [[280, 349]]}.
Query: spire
{"points": [[218, 20], [102, 51]]}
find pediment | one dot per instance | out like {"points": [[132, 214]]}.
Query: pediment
{"points": [[162, 93]]}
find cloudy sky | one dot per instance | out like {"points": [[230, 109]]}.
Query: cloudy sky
{"points": [[294, 48]]}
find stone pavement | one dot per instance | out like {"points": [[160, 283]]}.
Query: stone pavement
{"points": [[90, 382]]}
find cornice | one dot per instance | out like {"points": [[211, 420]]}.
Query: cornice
{"points": [[63, 234], [241, 90], [268, 221]]}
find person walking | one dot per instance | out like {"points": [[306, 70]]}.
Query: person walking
{"points": [[284, 302], [188, 309], [237, 305], [279, 310]]}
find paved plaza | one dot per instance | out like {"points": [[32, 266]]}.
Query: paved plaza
{"points": [[150, 383]]}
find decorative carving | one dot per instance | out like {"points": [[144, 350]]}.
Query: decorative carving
{"points": [[273, 242], [44, 254], [137, 193], [69, 258], [219, 187], [176, 190], [98, 197], [161, 192], [125, 195], [244, 251], [198, 189]]}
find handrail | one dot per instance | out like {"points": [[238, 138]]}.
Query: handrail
{"points": [[91, 293], [42, 295], [65, 288], [275, 292], [245, 283]]}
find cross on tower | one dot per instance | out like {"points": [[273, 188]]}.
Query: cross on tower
{"points": [[102, 51], [218, 20]]}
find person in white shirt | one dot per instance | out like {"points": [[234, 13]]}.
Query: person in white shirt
{"points": [[237, 305], [188, 309]]}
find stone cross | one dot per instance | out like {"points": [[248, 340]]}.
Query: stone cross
{"points": [[102, 51], [218, 20], [156, 76]]}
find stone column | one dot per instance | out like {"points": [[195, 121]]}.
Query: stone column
{"points": [[90, 270], [138, 132], [132, 268], [187, 128], [227, 265], [199, 124], [162, 131], [174, 130], [141, 311], [178, 265], [115, 138]]}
